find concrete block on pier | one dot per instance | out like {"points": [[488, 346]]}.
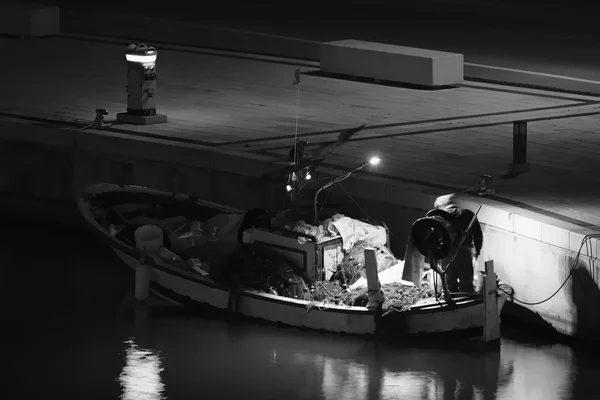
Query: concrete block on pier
{"points": [[29, 19], [388, 62]]}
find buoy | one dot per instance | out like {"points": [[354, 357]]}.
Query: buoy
{"points": [[142, 282], [149, 238]]}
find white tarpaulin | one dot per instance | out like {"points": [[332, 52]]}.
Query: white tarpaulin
{"points": [[352, 230], [391, 275]]}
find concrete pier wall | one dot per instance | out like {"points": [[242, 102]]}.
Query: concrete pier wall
{"points": [[536, 255]]}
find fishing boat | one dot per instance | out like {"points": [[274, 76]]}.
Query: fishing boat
{"points": [[140, 224]]}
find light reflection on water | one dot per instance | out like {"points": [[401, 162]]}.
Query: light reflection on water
{"points": [[140, 377], [79, 333], [538, 373]]}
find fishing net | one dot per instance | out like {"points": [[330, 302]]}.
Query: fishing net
{"points": [[353, 264], [398, 297]]}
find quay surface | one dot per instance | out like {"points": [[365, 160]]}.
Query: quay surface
{"points": [[443, 138]]}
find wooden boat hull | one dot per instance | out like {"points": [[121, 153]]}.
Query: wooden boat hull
{"points": [[428, 317], [190, 288]]}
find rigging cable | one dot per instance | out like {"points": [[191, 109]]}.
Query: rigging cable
{"points": [[297, 83]]}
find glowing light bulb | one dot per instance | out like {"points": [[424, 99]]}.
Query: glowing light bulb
{"points": [[374, 160], [141, 58], [307, 177], [288, 188]]}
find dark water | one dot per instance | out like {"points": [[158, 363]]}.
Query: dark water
{"points": [[73, 331]]}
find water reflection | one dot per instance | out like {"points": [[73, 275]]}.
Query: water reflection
{"points": [[271, 362], [140, 377], [79, 333]]}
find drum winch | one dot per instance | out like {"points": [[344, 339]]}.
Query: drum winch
{"points": [[435, 234], [437, 237]]}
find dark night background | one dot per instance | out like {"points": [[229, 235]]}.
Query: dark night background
{"points": [[558, 16]]}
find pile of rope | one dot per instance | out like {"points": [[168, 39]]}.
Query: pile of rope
{"points": [[398, 297]]}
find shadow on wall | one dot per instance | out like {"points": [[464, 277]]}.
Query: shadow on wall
{"points": [[586, 298]]}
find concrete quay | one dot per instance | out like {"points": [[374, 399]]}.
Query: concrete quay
{"points": [[232, 115]]}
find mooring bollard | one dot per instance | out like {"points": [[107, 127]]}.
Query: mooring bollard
{"points": [[519, 163]]}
